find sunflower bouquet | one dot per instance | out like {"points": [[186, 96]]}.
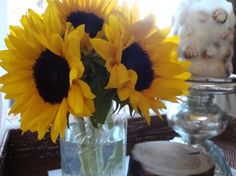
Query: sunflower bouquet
{"points": [[81, 55]]}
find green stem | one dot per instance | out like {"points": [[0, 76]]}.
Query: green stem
{"points": [[84, 165], [91, 151], [116, 159], [95, 152], [90, 155]]}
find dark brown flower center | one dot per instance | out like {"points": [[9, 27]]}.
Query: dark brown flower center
{"points": [[93, 23], [135, 58], [51, 75]]}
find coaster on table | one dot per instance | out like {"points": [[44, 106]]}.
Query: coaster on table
{"points": [[168, 158]]}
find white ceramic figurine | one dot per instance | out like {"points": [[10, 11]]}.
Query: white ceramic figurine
{"points": [[206, 30]]}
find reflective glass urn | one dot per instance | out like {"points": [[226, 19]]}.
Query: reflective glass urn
{"points": [[197, 118]]}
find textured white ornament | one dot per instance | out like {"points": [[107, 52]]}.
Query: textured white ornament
{"points": [[206, 30]]}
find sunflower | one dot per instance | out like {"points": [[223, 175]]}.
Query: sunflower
{"points": [[131, 14], [43, 76], [92, 13], [142, 63]]}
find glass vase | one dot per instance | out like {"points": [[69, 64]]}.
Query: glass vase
{"points": [[197, 118], [91, 151]]}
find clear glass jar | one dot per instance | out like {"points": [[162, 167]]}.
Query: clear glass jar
{"points": [[196, 118], [90, 151]]}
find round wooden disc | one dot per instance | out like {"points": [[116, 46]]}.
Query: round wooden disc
{"points": [[168, 158]]}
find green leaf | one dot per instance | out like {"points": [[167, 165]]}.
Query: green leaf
{"points": [[96, 76], [103, 103]]}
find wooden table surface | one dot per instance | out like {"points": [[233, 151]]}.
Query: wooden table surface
{"points": [[24, 155]]}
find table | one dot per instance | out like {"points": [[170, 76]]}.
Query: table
{"points": [[23, 155]]}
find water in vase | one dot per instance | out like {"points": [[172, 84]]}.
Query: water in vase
{"points": [[103, 155]]}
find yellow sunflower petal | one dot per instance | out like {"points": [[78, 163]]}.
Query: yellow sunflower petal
{"points": [[72, 42], [103, 48], [73, 75], [59, 125], [183, 76], [46, 113], [75, 99], [86, 90], [32, 109], [172, 82], [61, 115], [35, 19], [88, 108], [167, 52], [54, 134], [134, 99], [168, 69], [56, 44], [43, 124], [11, 78], [21, 103], [164, 92], [116, 80], [111, 6], [21, 87], [51, 20], [174, 39], [123, 93], [144, 107], [22, 46], [133, 79]]}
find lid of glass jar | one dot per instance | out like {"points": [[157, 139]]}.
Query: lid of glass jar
{"points": [[214, 85]]}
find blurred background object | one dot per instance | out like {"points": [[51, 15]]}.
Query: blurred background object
{"points": [[206, 30]]}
